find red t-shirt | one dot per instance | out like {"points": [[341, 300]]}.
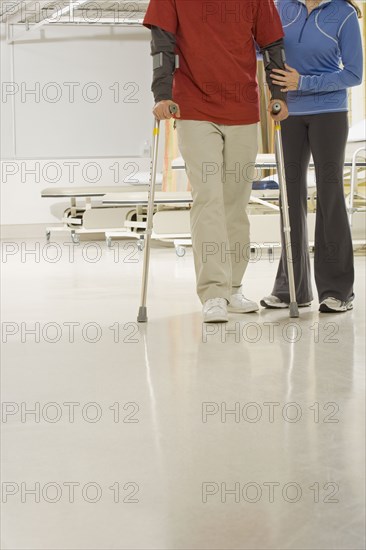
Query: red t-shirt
{"points": [[215, 41]]}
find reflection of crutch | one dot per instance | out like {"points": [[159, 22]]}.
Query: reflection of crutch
{"points": [[142, 315], [294, 311]]}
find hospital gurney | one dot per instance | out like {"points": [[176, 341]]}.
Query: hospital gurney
{"points": [[268, 196], [181, 199], [88, 217], [173, 224], [125, 206]]}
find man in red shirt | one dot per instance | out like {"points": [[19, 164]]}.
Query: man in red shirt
{"points": [[205, 62]]}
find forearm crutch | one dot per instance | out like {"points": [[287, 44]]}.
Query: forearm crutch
{"points": [[294, 310], [142, 314]]}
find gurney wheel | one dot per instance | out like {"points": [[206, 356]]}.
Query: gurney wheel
{"points": [[74, 237], [78, 216], [48, 236], [109, 242], [180, 251], [140, 245]]}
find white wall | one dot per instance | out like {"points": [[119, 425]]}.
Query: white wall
{"points": [[46, 130]]}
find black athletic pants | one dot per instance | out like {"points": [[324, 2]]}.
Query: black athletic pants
{"points": [[324, 136]]}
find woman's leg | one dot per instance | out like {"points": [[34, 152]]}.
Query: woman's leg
{"points": [[296, 150], [201, 145], [333, 264]]}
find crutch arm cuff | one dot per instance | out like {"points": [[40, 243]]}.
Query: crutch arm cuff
{"points": [[274, 58], [164, 63]]}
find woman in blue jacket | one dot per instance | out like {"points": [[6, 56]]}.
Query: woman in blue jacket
{"points": [[324, 58]]}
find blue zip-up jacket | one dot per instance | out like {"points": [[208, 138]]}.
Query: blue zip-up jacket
{"points": [[325, 47]]}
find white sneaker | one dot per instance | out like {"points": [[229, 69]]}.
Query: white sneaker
{"points": [[240, 304], [215, 311], [332, 305], [272, 302]]}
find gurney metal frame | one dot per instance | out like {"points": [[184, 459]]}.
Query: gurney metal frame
{"points": [[354, 186], [72, 222]]}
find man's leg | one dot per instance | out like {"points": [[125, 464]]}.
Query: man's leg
{"points": [[240, 151], [333, 263], [201, 145]]}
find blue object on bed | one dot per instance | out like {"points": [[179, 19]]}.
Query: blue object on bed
{"points": [[261, 185]]}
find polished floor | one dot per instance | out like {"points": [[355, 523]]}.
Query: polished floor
{"points": [[173, 435]]}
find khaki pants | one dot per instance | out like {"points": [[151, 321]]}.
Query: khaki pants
{"points": [[220, 166]]}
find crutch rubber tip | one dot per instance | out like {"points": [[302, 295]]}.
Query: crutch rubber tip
{"points": [[142, 316], [294, 310]]}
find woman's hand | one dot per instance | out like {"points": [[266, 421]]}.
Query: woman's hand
{"points": [[288, 80]]}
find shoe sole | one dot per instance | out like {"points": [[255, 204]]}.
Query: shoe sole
{"points": [[286, 306], [216, 320], [325, 309], [268, 306], [238, 310]]}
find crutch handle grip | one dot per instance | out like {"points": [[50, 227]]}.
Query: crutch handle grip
{"points": [[173, 109], [276, 108]]}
